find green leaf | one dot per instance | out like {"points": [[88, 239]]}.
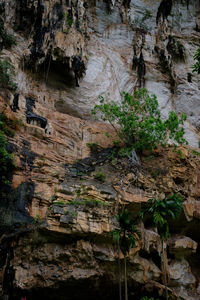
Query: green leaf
{"points": [[162, 211]]}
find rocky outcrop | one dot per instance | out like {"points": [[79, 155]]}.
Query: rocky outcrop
{"points": [[57, 217], [67, 241], [182, 246]]}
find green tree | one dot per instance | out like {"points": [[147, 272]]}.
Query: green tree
{"points": [[140, 124], [196, 66], [126, 236], [161, 211]]}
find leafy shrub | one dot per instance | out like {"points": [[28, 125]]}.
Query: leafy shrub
{"points": [[100, 176], [7, 131], [95, 202], [196, 66], [7, 40], [140, 123], [94, 147], [68, 19], [162, 211], [71, 214], [6, 124], [7, 73], [88, 202], [60, 202], [127, 234], [37, 219], [196, 153], [175, 48], [6, 160]]}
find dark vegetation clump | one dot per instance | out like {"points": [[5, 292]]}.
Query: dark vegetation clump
{"points": [[7, 73], [94, 147], [196, 66], [6, 158], [100, 175], [160, 212], [175, 48], [6, 40], [7, 70]]}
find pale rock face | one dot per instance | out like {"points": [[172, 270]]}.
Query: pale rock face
{"points": [[191, 208], [113, 32], [145, 270], [180, 274], [152, 241], [185, 294], [182, 246]]}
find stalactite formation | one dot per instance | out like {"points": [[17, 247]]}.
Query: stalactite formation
{"points": [[164, 10], [135, 60], [141, 70]]}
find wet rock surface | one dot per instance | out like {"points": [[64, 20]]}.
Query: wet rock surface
{"points": [[57, 218]]}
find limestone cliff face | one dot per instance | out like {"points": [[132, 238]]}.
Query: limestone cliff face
{"points": [[56, 220], [106, 35]]}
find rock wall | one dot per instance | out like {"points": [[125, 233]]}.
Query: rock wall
{"points": [[57, 218], [106, 35]]}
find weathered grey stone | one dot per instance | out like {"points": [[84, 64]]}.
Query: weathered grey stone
{"points": [[67, 219], [152, 241], [180, 273], [144, 269], [58, 209]]}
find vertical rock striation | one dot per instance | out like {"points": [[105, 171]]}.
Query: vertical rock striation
{"points": [[57, 217]]}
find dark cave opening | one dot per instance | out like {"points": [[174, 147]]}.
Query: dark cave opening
{"points": [[57, 74], [72, 290], [90, 289], [61, 73], [152, 255]]}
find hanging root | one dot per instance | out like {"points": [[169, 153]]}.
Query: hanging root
{"points": [[134, 160]]}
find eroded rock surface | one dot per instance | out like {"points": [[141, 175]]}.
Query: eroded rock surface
{"points": [[106, 36], [56, 220]]}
